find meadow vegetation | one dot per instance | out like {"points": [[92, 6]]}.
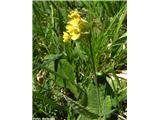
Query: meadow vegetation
{"points": [[77, 78]]}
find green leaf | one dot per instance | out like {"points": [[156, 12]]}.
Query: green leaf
{"points": [[67, 71], [93, 100], [124, 35], [104, 85], [82, 117], [53, 56], [107, 106], [38, 97], [81, 109]]}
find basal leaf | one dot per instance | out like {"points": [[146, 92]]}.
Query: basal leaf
{"points": [[81, 109]]}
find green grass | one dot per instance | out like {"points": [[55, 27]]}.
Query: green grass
{"points": [[79, 79]]}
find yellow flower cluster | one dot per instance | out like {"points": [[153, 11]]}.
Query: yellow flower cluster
{"points": [[74, 26]]}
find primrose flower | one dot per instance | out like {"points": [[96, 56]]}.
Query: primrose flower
{"points": [[74, 22], [70, 29], [75, 36], [73, 31], [74, 14], [66, 37], [74, 27]]}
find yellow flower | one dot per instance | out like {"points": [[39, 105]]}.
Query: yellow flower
{"points": [[75, 36], [66, 37], [74, 22], [74, 14], [70, 29], [73, 31], [74, 26]]}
